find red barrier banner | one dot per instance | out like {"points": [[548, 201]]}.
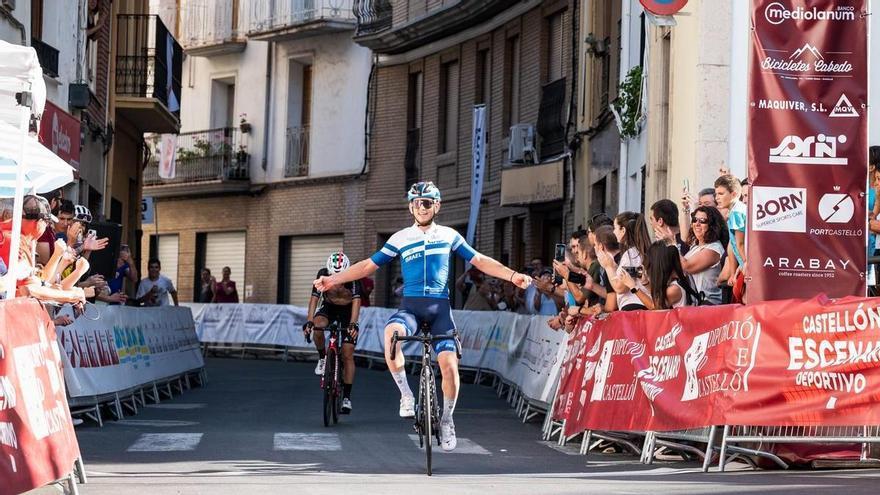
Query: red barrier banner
{"points": [[37, 441], [778, 363], [808, 148]]}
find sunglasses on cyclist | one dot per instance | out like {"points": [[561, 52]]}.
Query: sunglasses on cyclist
{"points": [[701, 221], [423, 203]]}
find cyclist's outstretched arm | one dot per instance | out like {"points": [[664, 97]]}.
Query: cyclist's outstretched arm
{"points": [[357, 271], [490, 266]]}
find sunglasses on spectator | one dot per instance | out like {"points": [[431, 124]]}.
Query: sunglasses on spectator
{"points": [[701, 221], [424, 203]]}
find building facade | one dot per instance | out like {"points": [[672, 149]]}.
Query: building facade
{"points": [[270, 156], [436, 61]]}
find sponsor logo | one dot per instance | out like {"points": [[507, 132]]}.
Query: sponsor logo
{"points": [[811, 150], [60, 139], [836, 208], [843, 108], [776, 13], [779, 209], [807, 60]]}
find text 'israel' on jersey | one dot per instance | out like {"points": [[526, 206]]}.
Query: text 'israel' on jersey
{"points": [[424, 258]]}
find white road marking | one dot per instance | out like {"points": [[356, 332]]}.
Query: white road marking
{"points": [[157, 423], [320, 442], [166, 442], [178, 407], [465, 446]]}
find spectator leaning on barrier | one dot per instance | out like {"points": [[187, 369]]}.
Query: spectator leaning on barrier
{"points": [[670, 287], [225, 290], [705, 259], [125, 270], [154, 290], [664, 217], [206, 291], [545, 300], [873, 208], [727, 193], [632, 233]]}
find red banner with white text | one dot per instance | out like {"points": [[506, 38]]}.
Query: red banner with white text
{"points": [[808, 84], [37, 441], [777, 363]]}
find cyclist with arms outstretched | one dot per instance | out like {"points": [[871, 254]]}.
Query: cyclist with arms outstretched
{"points": [[342, 304], [425, 250]]}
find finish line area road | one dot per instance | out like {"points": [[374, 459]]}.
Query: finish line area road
{"points": [[256, 428]]}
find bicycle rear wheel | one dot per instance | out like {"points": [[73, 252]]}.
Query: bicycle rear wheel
{"points": [[427, 413], [329, 398], [337, 389]]}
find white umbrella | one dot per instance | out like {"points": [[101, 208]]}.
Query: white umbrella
{"points": [[43, 171]]}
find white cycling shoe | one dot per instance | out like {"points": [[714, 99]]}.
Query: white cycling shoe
{"points": [[319, 369], [447, 437], [407, 407], [346, 406]]}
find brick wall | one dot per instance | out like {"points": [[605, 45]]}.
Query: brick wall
{"points": [[385, 188], [331, 206]]}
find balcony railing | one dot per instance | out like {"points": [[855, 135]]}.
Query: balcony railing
{"points": [[149, 61], [372, 16], [209, 23], [48, 57], [271, 15], [296, 160], [211, 155]]}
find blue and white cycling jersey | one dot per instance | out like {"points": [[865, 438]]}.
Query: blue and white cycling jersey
{"points": [[424, 258]]}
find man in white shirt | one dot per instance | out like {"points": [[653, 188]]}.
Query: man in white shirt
{"points": [[154, 290]]}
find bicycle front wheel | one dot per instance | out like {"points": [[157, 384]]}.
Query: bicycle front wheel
{"points": [[329, 385], [427, 401]]}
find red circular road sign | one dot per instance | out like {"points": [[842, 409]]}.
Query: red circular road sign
{"points": [[663, 7]]}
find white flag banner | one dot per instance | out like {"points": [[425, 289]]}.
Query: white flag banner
{"points": [[478, 171], [167, 155]]}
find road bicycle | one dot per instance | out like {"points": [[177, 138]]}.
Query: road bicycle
{"points": [[331, 381], [427, 417]]}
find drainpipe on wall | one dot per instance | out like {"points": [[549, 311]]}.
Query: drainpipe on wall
{"points": [[623, 168], [270, 57], [6, 14]]}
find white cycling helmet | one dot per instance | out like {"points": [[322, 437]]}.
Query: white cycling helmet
{"points": [[423, 190], [82, 214], [337, 262]]}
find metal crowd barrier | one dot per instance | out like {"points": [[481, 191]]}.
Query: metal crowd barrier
{"points": [[659, 441], [132, 398], [767, 435]]}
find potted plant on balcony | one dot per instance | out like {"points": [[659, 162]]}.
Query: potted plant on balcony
{"points": [[243, 125]]}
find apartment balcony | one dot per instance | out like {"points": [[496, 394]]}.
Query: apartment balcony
{"points": [[48, 57], [280, 20], [407, 24], [212, 161], [149, 63], [213, 27], [296, 157]]}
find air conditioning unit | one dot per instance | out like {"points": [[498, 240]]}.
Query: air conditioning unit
{"points": [[521, 148]]}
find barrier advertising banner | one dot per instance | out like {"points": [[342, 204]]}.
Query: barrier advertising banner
{"points": [[807, 149], [777, 363], [127, 347], [37, 442]]}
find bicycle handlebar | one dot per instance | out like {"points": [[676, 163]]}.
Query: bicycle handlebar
{"points": [[430, 339]]}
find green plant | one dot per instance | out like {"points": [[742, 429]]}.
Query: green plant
{"points": [[203, 147], [628, 105]]}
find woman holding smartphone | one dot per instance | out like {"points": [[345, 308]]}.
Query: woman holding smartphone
{"points": [[631, 231]]}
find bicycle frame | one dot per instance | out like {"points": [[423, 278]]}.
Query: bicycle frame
{"points": [[427, 416]]}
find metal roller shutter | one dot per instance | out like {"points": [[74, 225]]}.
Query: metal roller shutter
{"points": [[168, 252], [227, 249], [307, 256]]}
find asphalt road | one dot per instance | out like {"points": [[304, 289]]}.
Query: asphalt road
{"points": [[257, 429]]}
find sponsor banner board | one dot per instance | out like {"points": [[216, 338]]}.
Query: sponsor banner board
{"points": [[807, 149], [127, 348], [777, 363], [37, 441]]}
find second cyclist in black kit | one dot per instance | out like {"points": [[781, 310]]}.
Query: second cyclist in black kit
{"points": [[341, 304]]}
